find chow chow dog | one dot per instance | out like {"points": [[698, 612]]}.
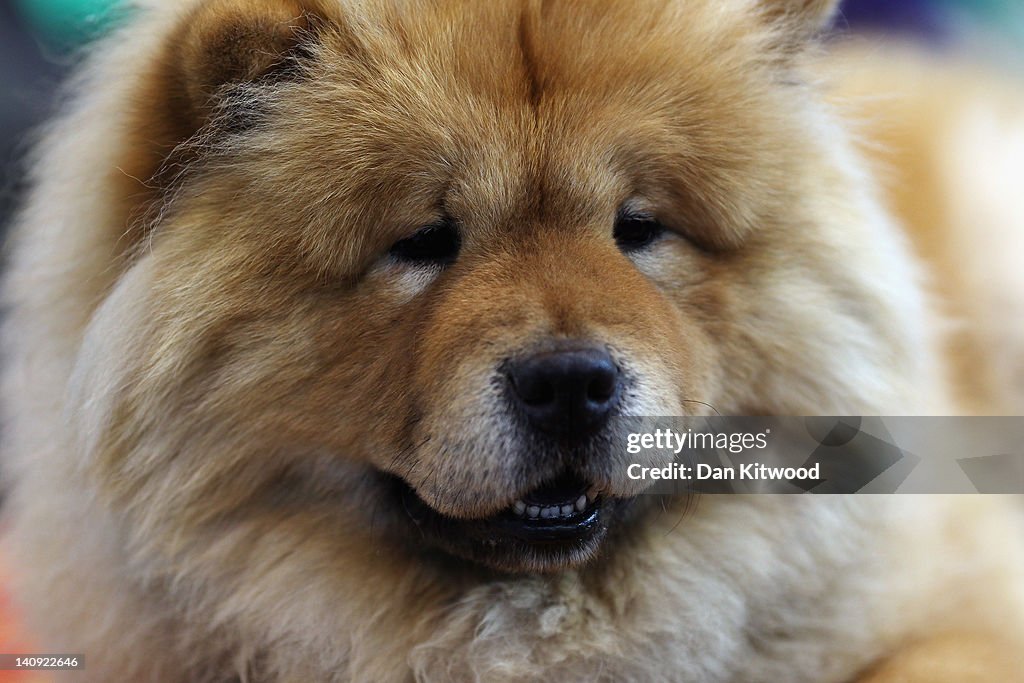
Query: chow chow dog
{"points": [[320, 314]]}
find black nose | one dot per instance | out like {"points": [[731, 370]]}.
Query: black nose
{"points": [[569, 393]]}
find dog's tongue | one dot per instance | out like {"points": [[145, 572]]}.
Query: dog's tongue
{"points": [[567, 487]]}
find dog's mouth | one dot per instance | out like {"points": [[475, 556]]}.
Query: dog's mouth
{"points": [[559, 524], [565, 508]]}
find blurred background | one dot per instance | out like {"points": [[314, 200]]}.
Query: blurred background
{"points": [[41, 39]]}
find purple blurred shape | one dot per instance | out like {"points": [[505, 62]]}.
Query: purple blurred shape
{"points": [[923, 18]]}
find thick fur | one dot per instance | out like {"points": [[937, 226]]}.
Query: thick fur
{"points": [[209, 354]]}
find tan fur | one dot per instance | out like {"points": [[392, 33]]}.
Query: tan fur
{"points": [[946, 139], [955, 656], [209, 355]]}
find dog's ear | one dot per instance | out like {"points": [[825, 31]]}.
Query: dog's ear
{"points": [[227, 42], [800, 20], [211, 49]]}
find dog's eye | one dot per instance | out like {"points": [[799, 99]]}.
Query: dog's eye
{"points": [[635, 230], [436, 244]]}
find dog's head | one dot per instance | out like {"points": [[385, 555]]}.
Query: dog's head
{"points": [[410, 261]]}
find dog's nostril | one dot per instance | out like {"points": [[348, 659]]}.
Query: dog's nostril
{"points": [[568, 392], [533, 389], [602, 387]]}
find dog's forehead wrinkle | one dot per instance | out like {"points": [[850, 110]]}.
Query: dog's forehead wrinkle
{"points": [[531, 73]]}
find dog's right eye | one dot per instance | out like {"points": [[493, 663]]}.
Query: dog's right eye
{"points": [[635, 231], [436, 244]]}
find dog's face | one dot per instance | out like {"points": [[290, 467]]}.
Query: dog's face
{"points": [[413, 260]]}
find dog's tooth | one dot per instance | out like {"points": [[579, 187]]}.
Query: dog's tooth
{"points": [[581, 503], [519, 507], [533, 511], [567, 510], [548, 513]]}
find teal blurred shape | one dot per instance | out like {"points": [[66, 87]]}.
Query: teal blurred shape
{"points": [[1000, 16], [990, 8], [67, 24]]}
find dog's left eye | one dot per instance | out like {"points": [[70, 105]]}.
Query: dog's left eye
{"points": [[635, 231], [437, 244]]}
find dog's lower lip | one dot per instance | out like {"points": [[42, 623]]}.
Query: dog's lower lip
{"points": [[508, 539], [558, 510], [552, 529]]}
